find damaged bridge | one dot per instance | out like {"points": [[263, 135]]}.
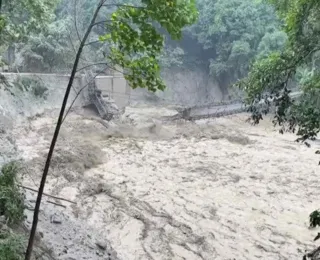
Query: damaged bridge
{"points": [[216, 109]]}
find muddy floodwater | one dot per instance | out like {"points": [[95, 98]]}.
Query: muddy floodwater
{"points": [[213, 189]]}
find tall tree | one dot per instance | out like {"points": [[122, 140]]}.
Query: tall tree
{"points": [[54, 48], [272, 78], [19, 18], [234, 32], [135, 43]]}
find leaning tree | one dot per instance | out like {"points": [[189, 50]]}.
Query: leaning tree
{"points": [[134, 42]]}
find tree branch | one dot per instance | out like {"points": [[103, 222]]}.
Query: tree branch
{"points": [[101, 22], [75, 20], [99, 63], [74, 49], [48, 195], [56, 134], [89, 43], [57, 204], [123, 5], [79, 92], [101, 26]]}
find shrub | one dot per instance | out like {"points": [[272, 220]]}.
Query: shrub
{"points": [[11, 246], [314, 219], [11, 212], [11, 198], [34, 86]]}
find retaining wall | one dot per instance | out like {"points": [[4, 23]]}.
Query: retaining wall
{"points": [[115, 86]]}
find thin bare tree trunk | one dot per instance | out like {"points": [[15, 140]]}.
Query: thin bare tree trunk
{"points": [[56, 134]]}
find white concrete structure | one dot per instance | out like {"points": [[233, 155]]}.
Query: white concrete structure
{"points": [[114, 86]]}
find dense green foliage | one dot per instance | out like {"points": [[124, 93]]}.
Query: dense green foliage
{"points": [[234, 32], [34, 86], [54, 48], [11, 246], [11, 213], [135, 42], [19, 18], [273, 77], [11, 198], [131, 37], [46, 50], [227, 37]]}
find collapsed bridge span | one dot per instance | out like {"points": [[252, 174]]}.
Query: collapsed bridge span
{"points": [[215, 109]]}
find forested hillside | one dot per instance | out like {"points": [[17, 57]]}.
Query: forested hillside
{"points": [[227, 37]]}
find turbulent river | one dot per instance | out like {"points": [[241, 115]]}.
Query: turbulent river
{"points": [[212, 189]]}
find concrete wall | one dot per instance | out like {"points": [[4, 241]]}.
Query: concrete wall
{"points": [[26, 104], [114, 86], [184, 87], [192, 87]]}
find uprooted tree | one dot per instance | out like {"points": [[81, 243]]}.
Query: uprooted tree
{"points": [[135, 42]]}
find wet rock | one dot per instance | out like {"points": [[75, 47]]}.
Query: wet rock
{"points": [[55, 219], [102, 245]]}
